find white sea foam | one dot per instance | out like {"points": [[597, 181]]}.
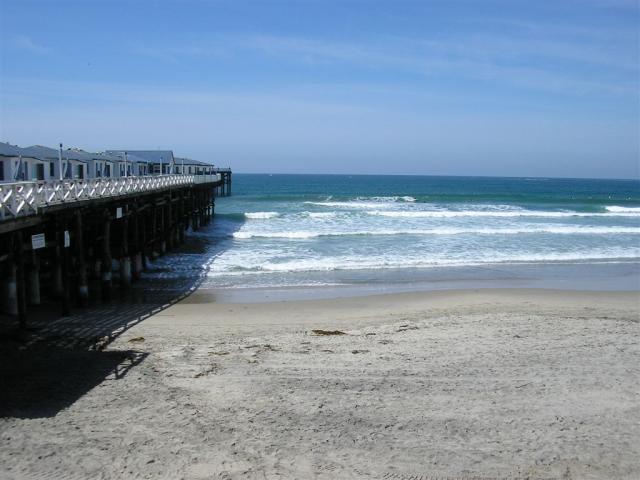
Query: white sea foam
{"points": [[495, 214], [365, 202], [397, 262], [321, 214], [293, 235], [395, 198], [561, 230], [261, 215], [616, 209], [351, 204]]}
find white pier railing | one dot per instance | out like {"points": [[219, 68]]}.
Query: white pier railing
{"points": [[30, 198]]}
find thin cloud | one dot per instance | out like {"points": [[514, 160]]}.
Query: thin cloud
{"points": [[175, 53], [515, 60], [25, 43]]}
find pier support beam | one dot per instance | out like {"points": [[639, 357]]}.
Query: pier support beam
{"points": [[136, 258], [62, 266], [58, 288], [170, 237], [194, 214], [34, 279], [107, 284], [83, 285], [125, 261], [10, 288], [20, 280]]}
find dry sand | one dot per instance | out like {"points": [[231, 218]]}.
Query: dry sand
{"points": [[470, 384]]}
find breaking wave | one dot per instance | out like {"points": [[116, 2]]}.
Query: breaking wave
{"points": [[496, 214], [261, 215], [616, 209], [561, 230], [359, 263]]}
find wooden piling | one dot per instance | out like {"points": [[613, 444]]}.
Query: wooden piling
{"points": [[10, 287], [125, 261], [62, 262], [136, 258], [34, 279], [81, 267], [20, 281], [107, 284]]}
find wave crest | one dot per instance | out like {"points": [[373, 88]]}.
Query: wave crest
{"points": [[616, 209], [496, 214], [261, 215], [560, 230]]}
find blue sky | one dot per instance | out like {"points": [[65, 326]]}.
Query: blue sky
{"points": [[495, 87]]}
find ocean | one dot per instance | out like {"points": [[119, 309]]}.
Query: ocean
{"points": [[402, 233]]}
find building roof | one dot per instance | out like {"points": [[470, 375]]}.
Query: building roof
{"points": [[77, 154], [40, 152], [190, 161], [8, 150], [149, 156]]}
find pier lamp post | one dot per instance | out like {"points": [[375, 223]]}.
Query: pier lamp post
{"points": [[60, 162]]}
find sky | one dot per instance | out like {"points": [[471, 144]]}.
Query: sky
{"points": [[477, 87]]}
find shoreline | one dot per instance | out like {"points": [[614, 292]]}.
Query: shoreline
{"points": [[292, 286], [199, 311]]}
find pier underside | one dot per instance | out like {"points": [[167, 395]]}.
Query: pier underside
{"points": [[70, 253]]}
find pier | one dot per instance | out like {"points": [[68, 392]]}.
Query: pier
{"points": [[72, 239]]}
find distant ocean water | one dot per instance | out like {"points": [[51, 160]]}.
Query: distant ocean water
{"points": [[305, 230]]}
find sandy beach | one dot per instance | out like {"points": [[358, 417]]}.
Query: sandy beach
{"points": [[466, 384]]}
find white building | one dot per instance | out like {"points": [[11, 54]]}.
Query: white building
{"points": [[189, 166], [39, 163]]}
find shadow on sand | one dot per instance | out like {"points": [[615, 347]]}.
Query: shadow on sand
{"points": [[47, 368]]}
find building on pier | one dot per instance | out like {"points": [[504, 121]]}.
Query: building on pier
{"points": [[154, 162], [193, 167], [39, 163]]}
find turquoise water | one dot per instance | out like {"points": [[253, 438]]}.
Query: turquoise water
{"points": [[309, 230]]}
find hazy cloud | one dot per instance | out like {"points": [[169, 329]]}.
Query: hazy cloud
{"points": [[23, 42], [533, 62]]}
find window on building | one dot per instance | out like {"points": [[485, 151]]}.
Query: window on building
{"points": [[39, 171], [51, 170]]}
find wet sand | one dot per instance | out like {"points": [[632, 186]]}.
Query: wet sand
{"points": [[467, 384]]}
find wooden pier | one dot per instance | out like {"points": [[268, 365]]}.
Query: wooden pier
{"points": [[56, 236]]}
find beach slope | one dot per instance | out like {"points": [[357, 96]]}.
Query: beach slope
{"points": [[466, 384]]}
